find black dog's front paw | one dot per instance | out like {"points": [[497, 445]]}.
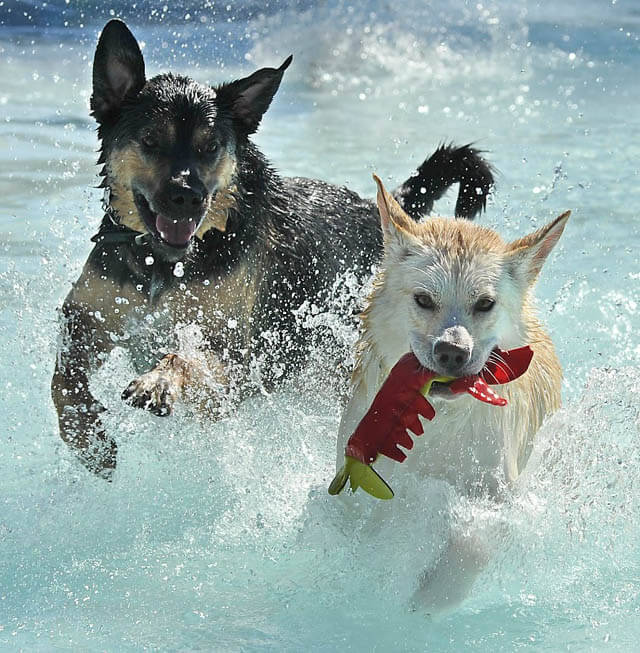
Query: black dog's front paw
{"points": [[152, 392]]}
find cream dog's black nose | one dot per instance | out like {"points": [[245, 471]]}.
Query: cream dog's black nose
{"points": [[451, 357]]}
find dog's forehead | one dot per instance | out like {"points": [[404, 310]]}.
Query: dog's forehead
{"points": [[179, 101], [441, 269], [456, 257]]}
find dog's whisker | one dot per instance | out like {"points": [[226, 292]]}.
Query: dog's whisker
{"points": [[500, 362]]}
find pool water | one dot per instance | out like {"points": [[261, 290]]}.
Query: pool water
{"points": [[222, 536]]}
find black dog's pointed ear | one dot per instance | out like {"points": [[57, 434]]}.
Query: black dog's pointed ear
{"points": [[250, 97], [118, 70]]}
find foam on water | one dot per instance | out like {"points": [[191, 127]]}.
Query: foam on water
{"points": [[222, 536]]}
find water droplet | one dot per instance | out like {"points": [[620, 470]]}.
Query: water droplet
{"points": [[178, 270], [148, 260]]}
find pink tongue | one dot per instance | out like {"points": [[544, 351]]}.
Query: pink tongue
{"points": [[175, 232]]}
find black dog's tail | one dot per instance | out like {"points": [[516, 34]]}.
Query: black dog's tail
{"points": [[446, 166]]}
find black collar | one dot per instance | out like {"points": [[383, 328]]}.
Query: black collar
{"points": [[111, 231]]}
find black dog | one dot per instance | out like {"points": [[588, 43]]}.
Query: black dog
{"points": [[200, 230]]}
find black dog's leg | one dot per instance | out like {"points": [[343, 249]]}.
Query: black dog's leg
{"points": [[78, 410], [446, 166]]}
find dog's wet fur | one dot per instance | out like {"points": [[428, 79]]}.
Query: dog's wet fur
{"points": [[199, 229], [455, 293]]}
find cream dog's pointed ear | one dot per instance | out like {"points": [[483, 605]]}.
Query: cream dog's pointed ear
{"points": [[527, 255], [394, 221]]}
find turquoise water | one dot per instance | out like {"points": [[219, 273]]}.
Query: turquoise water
{"points": [[222, 537]]}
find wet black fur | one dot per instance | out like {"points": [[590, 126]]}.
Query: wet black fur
{"points": [[311, 229]]}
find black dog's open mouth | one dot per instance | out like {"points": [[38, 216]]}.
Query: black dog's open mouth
{"points": [[176, 233]]}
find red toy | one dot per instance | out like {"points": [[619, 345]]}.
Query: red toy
{"points": [[396, 408]]}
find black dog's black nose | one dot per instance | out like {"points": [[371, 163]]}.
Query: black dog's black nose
{"points": [[187, 196], [451, 357]]}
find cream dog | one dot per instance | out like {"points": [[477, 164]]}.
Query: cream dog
{"points": [[452, 292]]}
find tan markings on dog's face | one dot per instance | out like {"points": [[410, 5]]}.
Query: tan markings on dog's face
{"points": [[128, 168], [221, 176]]}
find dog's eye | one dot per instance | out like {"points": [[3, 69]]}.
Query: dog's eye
{"points": [[209, 148], [484, 305], [423, 300], [150, 141]]}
